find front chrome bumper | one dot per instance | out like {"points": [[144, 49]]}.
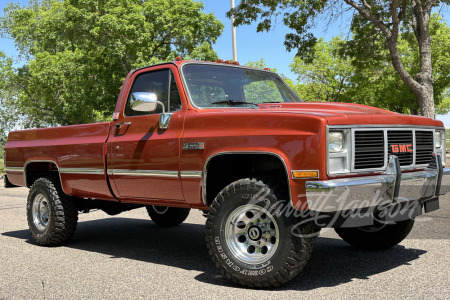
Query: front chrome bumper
{"points": [[391, 187]]}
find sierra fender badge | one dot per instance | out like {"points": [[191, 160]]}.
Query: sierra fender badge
{"points": [[194, 146]]}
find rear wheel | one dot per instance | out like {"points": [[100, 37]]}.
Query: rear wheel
{"points": [[378, 236], [167, 216], [52, 215], [251, 238]]}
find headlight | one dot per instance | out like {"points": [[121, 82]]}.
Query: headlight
{"points": [[438, 139], [439, 144], [336, 142], [339, 146]]}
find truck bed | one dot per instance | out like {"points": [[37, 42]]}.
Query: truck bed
{"points": [[82, 171]]}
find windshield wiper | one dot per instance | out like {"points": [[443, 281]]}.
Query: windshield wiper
{"points": [[234, 102]]}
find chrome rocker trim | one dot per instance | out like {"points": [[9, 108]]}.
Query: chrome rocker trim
{"points": [[14, 169], [191, 174], [144, 173], [391, 187], [87, 171]]}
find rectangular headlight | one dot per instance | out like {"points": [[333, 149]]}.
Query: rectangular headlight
{"points": [[439, 144], [336, 141], [339, 142], [439, 139]]}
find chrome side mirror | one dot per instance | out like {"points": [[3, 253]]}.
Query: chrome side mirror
{"points": [[148, 102], [144, 102]]}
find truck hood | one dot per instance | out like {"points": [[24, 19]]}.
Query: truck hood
{"points": [[349, 113]]}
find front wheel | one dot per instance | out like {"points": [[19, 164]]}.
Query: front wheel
{"points": [[376, 237], [52, 215], [253, 238], [167, 216]]}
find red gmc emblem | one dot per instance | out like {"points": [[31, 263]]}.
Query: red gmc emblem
{"points": [[402, 148]]}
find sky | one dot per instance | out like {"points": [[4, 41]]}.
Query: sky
{"points": [[251, 46]]}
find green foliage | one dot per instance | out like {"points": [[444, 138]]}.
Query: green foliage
{"points": [[262, 91], [8, 113], [327, 76], [79, 51], [268, 89], [301, 17], [375, 78], [447, 142], [261, 64], [341, 71], [376, 27]]}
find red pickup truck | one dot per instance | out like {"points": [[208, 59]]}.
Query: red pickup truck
{"points": [[268, 170]]}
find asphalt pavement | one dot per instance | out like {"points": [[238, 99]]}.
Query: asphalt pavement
{"points": [[129, 257]]}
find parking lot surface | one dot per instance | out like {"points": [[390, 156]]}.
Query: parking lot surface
{"points": [[129, 257]]}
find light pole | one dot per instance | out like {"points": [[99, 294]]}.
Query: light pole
{"points": [[233, 33]]}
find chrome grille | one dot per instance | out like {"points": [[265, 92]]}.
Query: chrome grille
{"points": [[424, 147], [372, 147], [401, 137], [369, 149]]}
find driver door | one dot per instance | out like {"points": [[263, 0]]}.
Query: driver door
{"points": [[144, 159]]}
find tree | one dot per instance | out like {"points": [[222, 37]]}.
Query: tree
{"points": [[261, 64], [372, 19], [327, 76], [8, 92], [79, 51], [367, 79]]}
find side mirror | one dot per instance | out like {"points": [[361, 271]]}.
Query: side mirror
{"points": [[147, 102], [144, 102]]}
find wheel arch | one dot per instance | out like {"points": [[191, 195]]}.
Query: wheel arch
{"points": [[273, 162], [35, 169]]}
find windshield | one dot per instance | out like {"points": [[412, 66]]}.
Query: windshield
{"points": [[225, 86]]}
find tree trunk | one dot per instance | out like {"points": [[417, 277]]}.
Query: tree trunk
{"points": [[426, 95], [422, 85], [414, 112]]}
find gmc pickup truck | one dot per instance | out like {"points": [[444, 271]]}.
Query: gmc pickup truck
{"points": [[267, 170]]}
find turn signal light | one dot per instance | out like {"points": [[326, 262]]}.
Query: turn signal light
{"points": [[305, 174]]}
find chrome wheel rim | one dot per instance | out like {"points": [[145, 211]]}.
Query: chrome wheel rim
{"points": [[160, 209], [252, 234], [40, 212]]}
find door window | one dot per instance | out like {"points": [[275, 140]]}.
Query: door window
{"points": [[162, 83]]}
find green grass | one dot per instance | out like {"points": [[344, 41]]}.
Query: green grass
{"points": [[447, 142], [2, 167]]}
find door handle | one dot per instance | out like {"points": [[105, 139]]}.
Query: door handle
{"points": [[118, 125]]}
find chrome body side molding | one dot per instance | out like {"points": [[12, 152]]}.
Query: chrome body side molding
{"points": [[191, 174], [14, 169], [144, 173], [87, 171]]}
